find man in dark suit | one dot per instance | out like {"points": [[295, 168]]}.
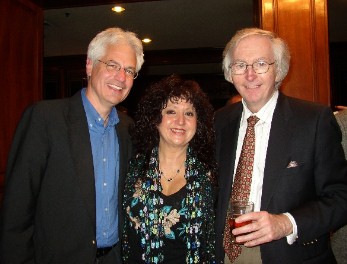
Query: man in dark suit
{"points": [[299, 174], [67, 164]]}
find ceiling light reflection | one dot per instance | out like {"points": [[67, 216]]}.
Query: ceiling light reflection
{"points": [[146, 40], [118, 9]]}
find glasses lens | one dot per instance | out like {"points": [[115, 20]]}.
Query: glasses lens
{"points": [[260, 67], [238, 68], [130, 72], [112, 66]]}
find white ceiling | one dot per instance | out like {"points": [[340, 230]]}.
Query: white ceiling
{"points": [[171, 24]]}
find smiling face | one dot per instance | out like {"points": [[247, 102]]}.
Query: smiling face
{"points": [[255, 89], [178, 125], [106, 89]]}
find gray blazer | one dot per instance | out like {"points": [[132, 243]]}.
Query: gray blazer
{"points": [[49, 203], [314, 192], [339, 238], [341, 118]]}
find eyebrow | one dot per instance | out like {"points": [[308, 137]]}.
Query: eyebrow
{"points": [[129, 67], [258, 59]]}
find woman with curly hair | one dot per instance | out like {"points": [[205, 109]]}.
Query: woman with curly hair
{"points": [[169, 194]]}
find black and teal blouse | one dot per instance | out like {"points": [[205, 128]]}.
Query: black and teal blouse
{"points": [[178, 228]]}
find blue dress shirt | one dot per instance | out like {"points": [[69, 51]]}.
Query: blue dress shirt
{"points": [[105, 150]]}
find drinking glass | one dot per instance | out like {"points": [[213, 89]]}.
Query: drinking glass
{"points": [[237, 208]]}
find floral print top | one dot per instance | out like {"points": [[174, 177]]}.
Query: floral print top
{"points": [[159, 227]]}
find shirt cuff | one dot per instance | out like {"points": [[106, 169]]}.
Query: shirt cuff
{"points": [[294, 235]]}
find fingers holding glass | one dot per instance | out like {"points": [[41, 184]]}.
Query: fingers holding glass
{"points": [[236, 209]]}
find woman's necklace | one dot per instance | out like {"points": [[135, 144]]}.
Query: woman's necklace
{"points": [[170, 179]]}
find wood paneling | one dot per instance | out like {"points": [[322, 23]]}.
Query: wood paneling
{"points": [[304, 25], [21, 37]]}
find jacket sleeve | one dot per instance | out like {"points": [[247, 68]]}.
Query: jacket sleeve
{"points": [[329, 171], [26, 163]]}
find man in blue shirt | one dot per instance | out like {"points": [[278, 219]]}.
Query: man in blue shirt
{"points": [[67, 165]]}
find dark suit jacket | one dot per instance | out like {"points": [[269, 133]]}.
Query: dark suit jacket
{"points": [[314, 192], [49, 204]]}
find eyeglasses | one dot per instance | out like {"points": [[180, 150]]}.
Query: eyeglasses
{"points": [[260, 67], [113, 67]]}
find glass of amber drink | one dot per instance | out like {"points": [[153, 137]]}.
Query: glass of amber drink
{"points": [[237, 208]]}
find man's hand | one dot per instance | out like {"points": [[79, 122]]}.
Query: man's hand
{"points": [[340, 107], [264, 228]]}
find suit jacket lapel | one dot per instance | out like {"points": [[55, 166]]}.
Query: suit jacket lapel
{"points": [[228, 136], [125, 149], [122, 141], [122, 159], [227, 163], [280, 136], [82, 153]]}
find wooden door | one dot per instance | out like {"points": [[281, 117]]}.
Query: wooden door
{"points": [[304, 25]]}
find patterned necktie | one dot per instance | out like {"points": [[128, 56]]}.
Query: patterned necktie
{"points": [[242, 183]]}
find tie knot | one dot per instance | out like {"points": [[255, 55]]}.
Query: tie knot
{"points": [[252, 120]]}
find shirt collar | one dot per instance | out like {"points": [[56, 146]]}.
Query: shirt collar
{"points": [[93, 116], [265, 113]]}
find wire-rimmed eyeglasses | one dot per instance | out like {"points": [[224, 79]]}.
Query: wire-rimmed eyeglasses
{"points": [[259, 67], [113, 67]]}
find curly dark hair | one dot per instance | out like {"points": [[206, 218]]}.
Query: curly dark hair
{"points": [[148, 116]]}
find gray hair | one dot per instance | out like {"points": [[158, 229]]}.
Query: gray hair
{"points": [[279, 46], [111, 36]]}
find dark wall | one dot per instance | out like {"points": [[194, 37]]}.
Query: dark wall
{"points": [[338, 73], [63, 76]]}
